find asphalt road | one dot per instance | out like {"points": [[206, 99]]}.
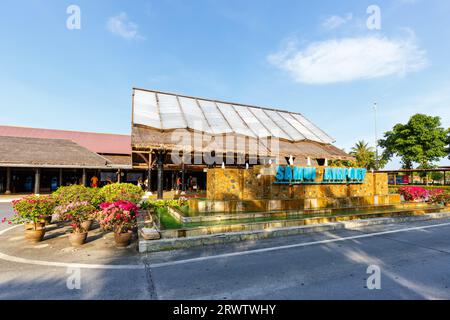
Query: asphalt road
{"points": [[6, 211], [413, 263]]}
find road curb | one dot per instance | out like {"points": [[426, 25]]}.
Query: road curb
{"points": [[224, 238]]}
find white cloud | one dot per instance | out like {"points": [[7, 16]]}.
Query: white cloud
{"points": [[121, 26], [349, 59], [334, 22]]}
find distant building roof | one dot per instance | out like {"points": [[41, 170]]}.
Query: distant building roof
{"points": [[97, 142], [38, 152]]}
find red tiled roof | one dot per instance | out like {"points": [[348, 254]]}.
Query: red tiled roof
{"points": [[96, 142]]}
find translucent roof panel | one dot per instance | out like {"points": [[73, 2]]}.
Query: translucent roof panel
{"points": [[274, 129], [252, 121], [194, 115], [235, 120], [145, 109], [280, 119], [318, 132], [170, 111], [308, 134], [214, 116]]}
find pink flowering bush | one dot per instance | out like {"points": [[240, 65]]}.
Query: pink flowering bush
{"points": [[439, 196], [414, 193], [119, 216], [31, 209], [77, 212]]}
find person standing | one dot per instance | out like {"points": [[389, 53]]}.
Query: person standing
{"points": [[94, 182]]}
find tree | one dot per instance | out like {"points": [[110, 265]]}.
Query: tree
{"points": [[364, 155], [422, 140]]}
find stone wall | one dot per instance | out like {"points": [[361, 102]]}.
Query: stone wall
{"points": [[258, 183]]}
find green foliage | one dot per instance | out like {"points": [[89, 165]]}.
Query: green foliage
{"points": [[121, 191], [32, 209], [342, 163], [422, 140], [364, 155], [77, 193], [436, 176], [155, 204]]}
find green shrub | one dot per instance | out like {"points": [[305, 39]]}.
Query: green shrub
{"points": [[121, 191], [155, 204], [77, 193]]}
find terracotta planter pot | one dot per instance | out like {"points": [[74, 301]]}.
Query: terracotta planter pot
{"points": [[47, 220], [87, 225], [30, 225], [122, 239], [34, 235], [77, 239]]}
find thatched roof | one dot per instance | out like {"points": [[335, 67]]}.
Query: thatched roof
{"points": [[194, 142], [58, 153]]}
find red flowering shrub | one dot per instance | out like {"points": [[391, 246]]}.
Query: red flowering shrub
{"points": [[439, 196], [77, 213], [414, 193], [31, 209], [119, 216], [436, 196]]}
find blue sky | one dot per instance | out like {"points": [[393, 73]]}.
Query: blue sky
{"points": [[315, 57]]}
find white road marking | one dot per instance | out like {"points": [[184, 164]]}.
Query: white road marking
{"points": [[65, 264], [219, 256], [298, 245]]}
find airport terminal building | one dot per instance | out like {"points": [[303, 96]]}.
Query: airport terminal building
{"points": [[173, 138]]}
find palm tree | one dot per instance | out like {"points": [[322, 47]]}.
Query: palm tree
{"points": [[364, 155]]}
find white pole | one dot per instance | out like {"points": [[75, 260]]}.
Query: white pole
{"points": [[375, 107]]}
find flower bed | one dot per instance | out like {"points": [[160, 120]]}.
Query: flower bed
{"points": [[414, 193]]}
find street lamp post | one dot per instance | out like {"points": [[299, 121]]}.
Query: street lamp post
{"points": [[375, 107]]}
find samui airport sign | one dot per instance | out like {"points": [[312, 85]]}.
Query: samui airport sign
{"points": [[308, 175]]}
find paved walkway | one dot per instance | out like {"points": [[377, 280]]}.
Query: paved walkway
{"points": [[413, 259]]}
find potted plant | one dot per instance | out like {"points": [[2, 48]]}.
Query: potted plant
{"points": [[80, 214], [120, 217], [32, 211]]}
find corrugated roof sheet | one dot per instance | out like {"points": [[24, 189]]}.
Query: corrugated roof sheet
{"points": [[167, 111], [96, 142]]}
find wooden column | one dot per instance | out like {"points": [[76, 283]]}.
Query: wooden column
{"points": [[60, 177], [84, 178], [37, 181], [119, 176], [160, 166], [149, 173], [8, 181], [183, 174]]}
